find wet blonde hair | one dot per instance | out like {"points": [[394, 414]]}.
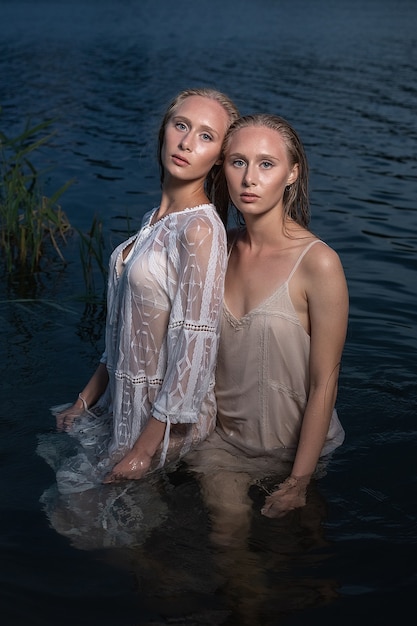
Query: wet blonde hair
{"points": [[296, 198], [215, 186]]}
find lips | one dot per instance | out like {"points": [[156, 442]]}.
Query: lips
{"points": [[248, 197], [179, 160]]}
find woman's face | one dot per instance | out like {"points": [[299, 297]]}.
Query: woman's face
{"points": [[257, 169], [193, 138]]}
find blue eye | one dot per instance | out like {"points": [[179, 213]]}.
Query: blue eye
{"points": [[238, 163], [180, 125], [206, 137], [266, 165]]}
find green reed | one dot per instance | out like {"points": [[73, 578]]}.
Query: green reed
{"points": [[92, 255], [33, 227], [30, 222]]}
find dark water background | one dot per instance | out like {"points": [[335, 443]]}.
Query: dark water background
{"points": [[345, 74]]}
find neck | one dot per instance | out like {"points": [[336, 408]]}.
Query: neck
{"points": [[177, 196], [271, 233]]}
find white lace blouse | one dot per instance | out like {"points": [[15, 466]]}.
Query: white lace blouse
{"points": [[164, 308]]}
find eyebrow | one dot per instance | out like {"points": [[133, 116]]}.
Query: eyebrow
{"points": [[203, 127], [262, 157]]}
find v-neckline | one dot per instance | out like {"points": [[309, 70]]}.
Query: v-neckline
{"points": [[256, 308], [262, 303]]}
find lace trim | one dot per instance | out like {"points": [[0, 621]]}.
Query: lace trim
{"points": [[192, 326], [188, 209], [139, 380]]}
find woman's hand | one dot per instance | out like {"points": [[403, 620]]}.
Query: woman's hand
{"points": [[88, 396], [65, 418], [138, 461], [132, 467], [290, 495]]}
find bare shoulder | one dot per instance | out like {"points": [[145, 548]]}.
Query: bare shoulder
{"points": [[319, 291], [322, 259], [324, 280]]}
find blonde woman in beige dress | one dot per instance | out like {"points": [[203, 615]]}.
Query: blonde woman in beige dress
{"points": [[283, 331]]}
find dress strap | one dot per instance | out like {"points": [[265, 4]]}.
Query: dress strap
{"points": [[302, 255]]}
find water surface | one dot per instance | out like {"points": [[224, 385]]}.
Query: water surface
{"points": [[344, 73]]}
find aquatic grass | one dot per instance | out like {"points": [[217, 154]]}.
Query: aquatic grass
{"points": [[33, 225], [92, 255], [29, 220]]}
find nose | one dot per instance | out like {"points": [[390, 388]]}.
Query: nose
{"points": [[249, 176], [186, 142]]}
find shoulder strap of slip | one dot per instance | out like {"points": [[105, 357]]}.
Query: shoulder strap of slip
{"points": [[302, 255]]}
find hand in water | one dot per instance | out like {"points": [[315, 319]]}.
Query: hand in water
{"points": [[138, 461], [132, 467], [290, 495], [65, 418]]}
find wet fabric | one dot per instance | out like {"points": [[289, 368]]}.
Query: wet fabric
{"points": [[165, 298], [262, 383]]}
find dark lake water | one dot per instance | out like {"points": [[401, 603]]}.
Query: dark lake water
{"points": [[345, 74]]}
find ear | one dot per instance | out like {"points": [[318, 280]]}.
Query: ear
{"points": [[293, 175]]}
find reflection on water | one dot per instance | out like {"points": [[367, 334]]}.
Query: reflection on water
{"points": [[344, 73], [178, 571], [253, 582]]}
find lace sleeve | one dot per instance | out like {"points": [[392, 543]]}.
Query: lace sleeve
{"points": [[199, 258]]}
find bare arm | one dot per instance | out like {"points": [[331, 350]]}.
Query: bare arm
{"points": [[138, 460], [327, 298]]}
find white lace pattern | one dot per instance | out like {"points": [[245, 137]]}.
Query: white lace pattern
{"points": [[164, 305]]}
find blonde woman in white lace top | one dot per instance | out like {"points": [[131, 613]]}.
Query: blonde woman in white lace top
{"points": [[152, 396]]}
